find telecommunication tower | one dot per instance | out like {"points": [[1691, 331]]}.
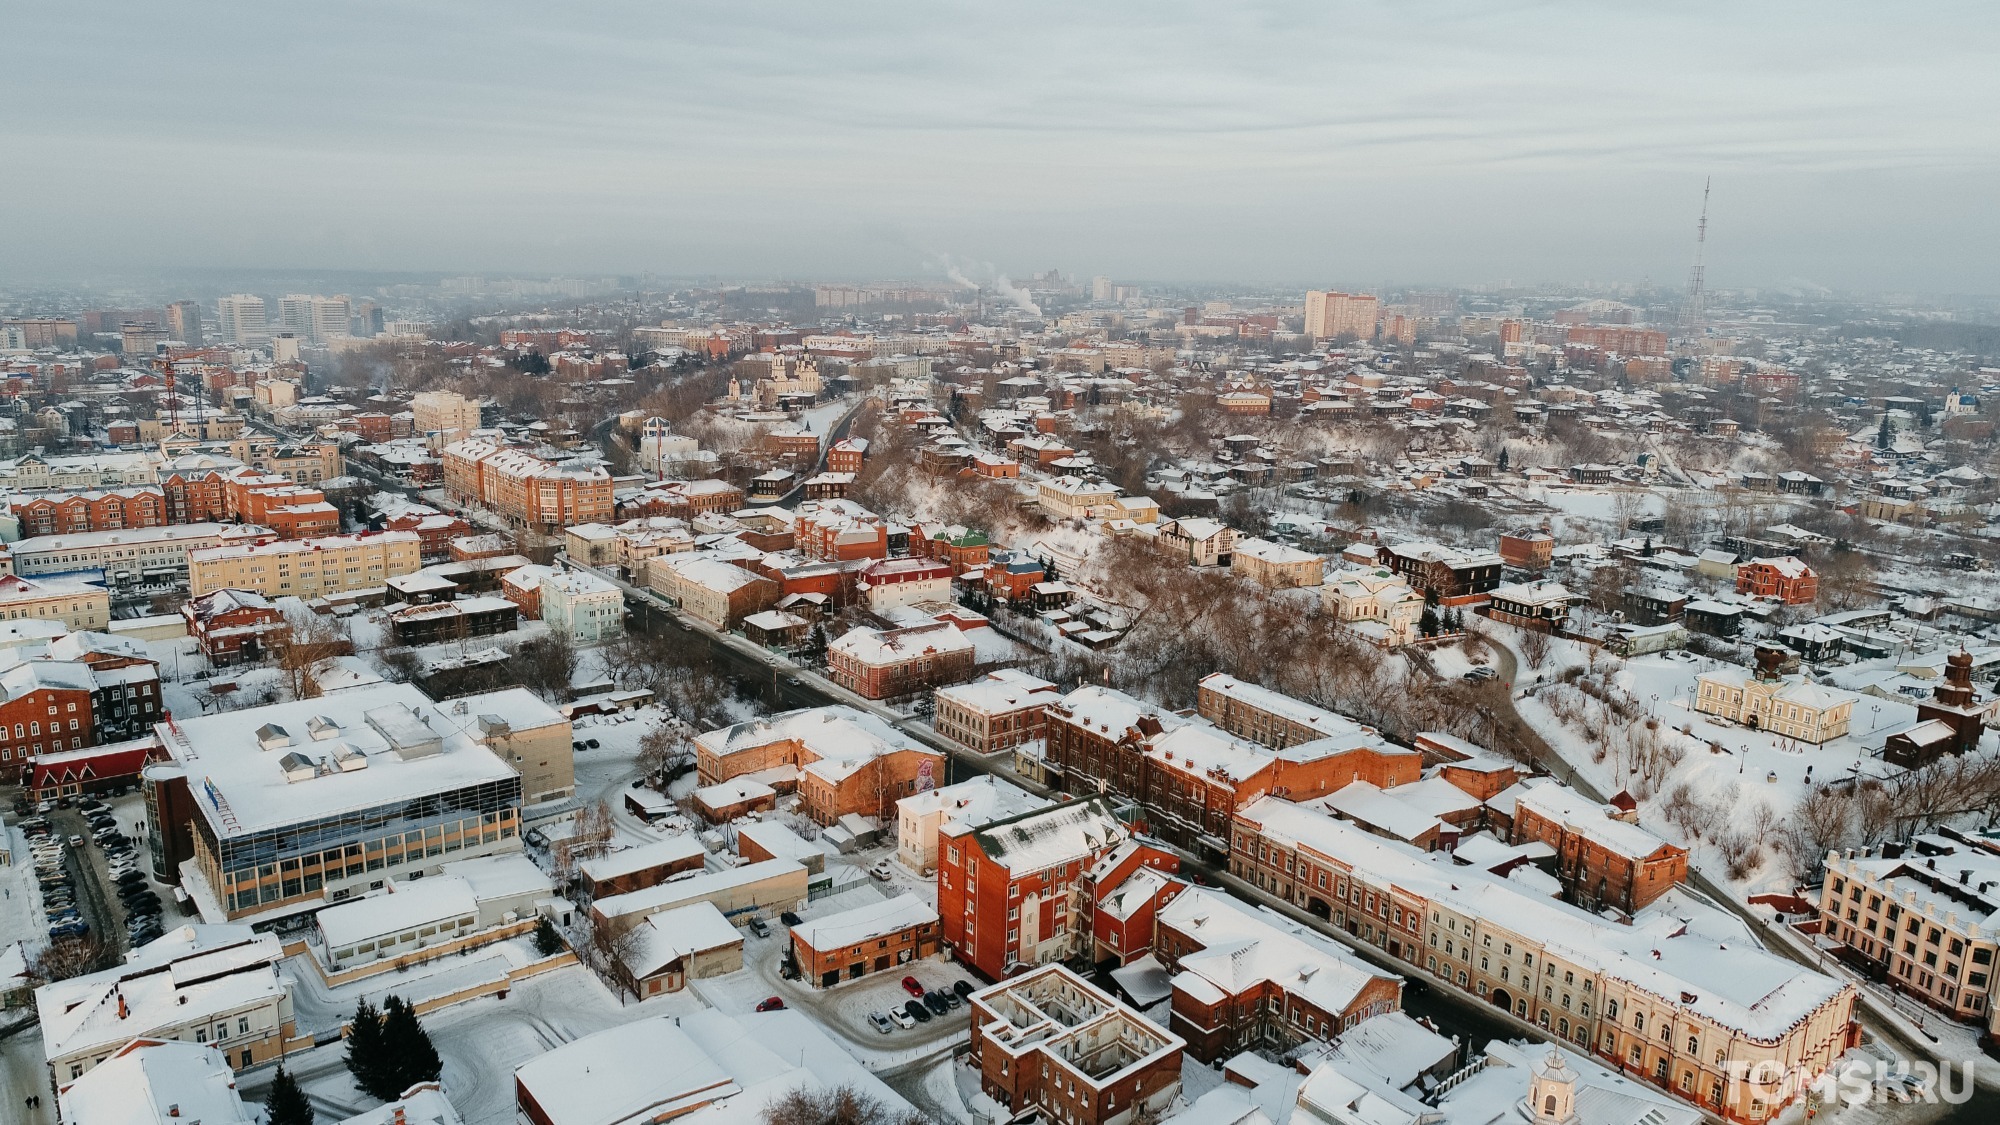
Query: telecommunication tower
{"points": [[1691, 309]]}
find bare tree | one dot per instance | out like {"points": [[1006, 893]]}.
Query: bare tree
{"points": [[842, 1105], [307, 641], [663, 750], [69, 957], [1535, 646], [547, 665], [1823, 822]]}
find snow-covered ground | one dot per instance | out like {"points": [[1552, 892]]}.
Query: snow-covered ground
{"points": [[1742, 778]]}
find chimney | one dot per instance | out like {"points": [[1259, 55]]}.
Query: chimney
{"points": [[174, 1110], [123, 1011], [399, 1116]]}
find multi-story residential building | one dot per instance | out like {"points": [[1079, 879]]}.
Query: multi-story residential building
{"points": [[443, 417], [233, 626], [214, 985], [1454, 576], [1008, 889], [1923, 916], [996, 713], [1335, 314], [47, 708], [524, 489], [1532, 549], [1790, 706], [583, 605], [76, 604], [1785, 578], [1664, 1001], [710, 590], [242, 319], [1202, 542], [184, 322], [1192, 775], [1052, 1042], [1540, 605], [893, 584], [1245, 980], [306, 568], [305, 462], [838, 759], [884, 663], [1376, 603], [840, 530], [876, 937], [1075, 498], [97, 510], [308, 802], [924, 818], [1276, 565], [141, 552], [1604, 859]]}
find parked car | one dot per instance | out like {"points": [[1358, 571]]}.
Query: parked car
{"points": [[935, 1002], [760, 927], [771, 1004], [881, 1022], [76, 841], [917, 1011], [902, 1018], [789, 919], [911, 986], [881, 870], [962, 987]]}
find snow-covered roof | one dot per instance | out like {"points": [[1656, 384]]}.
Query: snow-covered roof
{"points": [[158, 1082], [405, 745], [670, 935], [167, 983], [1737, 985], [406, 905], [862, 923], [1243, 948], [1037, 840], [677, 848]]}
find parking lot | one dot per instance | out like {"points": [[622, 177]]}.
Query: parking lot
{"points": [[845, 1008], [89, 872]]}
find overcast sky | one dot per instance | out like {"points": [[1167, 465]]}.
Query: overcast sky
{"points": [[1852, 145]]}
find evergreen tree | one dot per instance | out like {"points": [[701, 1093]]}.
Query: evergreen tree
{"points": [[287, 1103], [1428, 623], [366, 1058], [548, 942], [412, 1057], [1503, 459], [1882, 434]]}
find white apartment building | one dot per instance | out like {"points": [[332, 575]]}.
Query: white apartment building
{"points": [[241, 319]]}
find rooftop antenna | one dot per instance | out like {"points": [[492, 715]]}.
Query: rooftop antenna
{"points": [[1691, 310]]}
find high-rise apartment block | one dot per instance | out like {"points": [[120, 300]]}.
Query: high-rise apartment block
{"points": [[242, 319], [1334, 314], [184, 322]]}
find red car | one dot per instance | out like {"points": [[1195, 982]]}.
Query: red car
{"points": [[771, 1004], [911, 986]]}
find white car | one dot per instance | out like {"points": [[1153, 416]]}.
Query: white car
{"points": [[902, 1018], [881, 870]]}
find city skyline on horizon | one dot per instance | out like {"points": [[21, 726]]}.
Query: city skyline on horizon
{"points": [[1293, 144]]}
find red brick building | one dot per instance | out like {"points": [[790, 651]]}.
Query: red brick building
{"points": [[878, 937], [105, 510], [1244, 981], [1050, 1044], [884, 663], [195, 494], [1785, 578], [1604, 859], [1008, 890], [846, 455], [846, 761], [841, 530], [47, 707], [233, 626], [435, 530], [1121, 895], [962, 547]]}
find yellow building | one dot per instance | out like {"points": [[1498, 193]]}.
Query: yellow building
{"points": [[1276, 565], [75, 604], [1790, 706], [306, 568]]}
